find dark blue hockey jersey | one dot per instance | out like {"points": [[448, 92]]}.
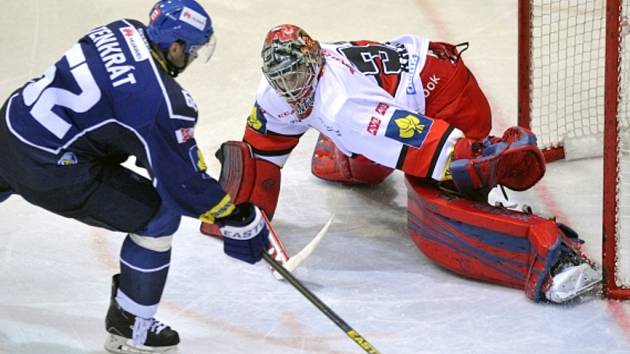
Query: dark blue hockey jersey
{"points": [[107, 99]]}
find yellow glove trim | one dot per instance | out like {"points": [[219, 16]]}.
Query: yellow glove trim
{"points": [[446, 173], [224, 208]]}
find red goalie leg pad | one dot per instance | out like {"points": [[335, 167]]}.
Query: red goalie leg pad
{"points": [[331, 164], [483, 242]]}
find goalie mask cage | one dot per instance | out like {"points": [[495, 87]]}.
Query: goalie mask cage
{"points": [[574, 64]]}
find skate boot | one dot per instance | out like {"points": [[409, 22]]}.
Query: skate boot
{"points": [[131, 334], [572, 276]]}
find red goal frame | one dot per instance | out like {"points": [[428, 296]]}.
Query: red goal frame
{"points": [[610, 148]]}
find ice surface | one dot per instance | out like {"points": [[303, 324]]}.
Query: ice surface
{"points": [[55, 273]]}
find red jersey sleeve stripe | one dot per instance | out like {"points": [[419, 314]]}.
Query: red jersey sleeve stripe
{"points": [[420, 161], [270, 143]]}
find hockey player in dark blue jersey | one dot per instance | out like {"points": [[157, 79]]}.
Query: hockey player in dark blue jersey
{"points": [[64, 135]]}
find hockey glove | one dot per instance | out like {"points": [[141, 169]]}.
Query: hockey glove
{"points": [[513, 161], [245, 234]]}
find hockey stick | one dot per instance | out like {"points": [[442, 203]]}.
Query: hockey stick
{"points": [[291, 263], [295, 261], [350, 332], [278, 251]]}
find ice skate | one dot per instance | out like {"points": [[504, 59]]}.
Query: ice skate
{"points": [[571, 278], [131, 334]]}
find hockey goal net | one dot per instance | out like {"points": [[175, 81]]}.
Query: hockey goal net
{"points": [[574, 77]]}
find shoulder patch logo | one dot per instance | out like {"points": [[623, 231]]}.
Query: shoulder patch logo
{"points": [[136, 44], [256, 119], [408, 128]]}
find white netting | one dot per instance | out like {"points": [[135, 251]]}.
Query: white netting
{"points": [[622, 275], [567, 72], [567, 78]]}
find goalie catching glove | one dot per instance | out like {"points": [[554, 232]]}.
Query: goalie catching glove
{"points": [[513, 161], [245, 233]]}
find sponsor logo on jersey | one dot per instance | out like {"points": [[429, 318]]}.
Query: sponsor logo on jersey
{"points": [[256, 119], [135, 43], [413, 71], [382, 108], [184, 134], [193, 18], [375, 123], [68, 159], [408, 128], [434, 80], [285, 114]]}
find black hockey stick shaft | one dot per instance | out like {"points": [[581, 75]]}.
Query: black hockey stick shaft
{"points": [[353, 334]]}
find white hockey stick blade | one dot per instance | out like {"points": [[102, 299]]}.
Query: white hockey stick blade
{"points": [[295, 261]]}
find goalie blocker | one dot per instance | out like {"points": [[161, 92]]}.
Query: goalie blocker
{"points": [[498, 245], [246, 179]]}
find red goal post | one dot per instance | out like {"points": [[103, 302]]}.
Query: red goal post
{"points": [[573, 81]]}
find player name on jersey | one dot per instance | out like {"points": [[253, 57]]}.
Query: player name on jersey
{"points": [[112, 56]]}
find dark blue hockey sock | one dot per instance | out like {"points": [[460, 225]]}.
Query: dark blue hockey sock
{"points": [[142, 277]]}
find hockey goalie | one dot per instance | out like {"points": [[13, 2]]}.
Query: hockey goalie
{"points": [[411, 105]]}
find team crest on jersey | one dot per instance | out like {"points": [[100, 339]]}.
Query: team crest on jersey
{"points": [[408, 128], [68, 159], [256, 119]]}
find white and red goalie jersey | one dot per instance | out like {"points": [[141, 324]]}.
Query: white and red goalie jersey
{"points": [[370, 101], [402, 105]]}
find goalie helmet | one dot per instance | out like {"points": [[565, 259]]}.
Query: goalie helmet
{"points": [[183, 21], [292, 63]]}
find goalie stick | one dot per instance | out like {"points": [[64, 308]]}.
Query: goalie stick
{"points": [[350, 332]]}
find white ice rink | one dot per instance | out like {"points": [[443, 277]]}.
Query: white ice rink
{"points": [[55, 273]]}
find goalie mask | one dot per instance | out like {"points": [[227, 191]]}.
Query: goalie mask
{"points": [[291, 64]]}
